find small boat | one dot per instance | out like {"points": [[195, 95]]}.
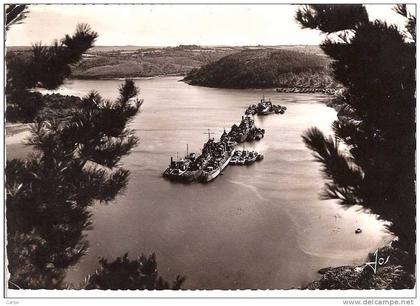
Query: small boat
{"points": [[233, 160], [241, 161], [174, 173], [258, 136], [250, 158], [266, 111], [251, 110]]}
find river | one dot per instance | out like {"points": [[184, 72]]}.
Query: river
{"points": [[261, 227]]}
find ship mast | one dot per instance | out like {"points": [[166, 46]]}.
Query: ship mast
{"points": [[208, 133]]}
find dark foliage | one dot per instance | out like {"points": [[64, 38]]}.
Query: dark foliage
{"points": [[57, 106], [30, 103], [376, 120], [126, 274], [263, 68], [75, 164], [47, 67], [77, 144], [14, 14], [332, 18], [411, 20]]}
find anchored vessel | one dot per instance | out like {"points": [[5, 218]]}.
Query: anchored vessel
{"points": [[265, 107], [196, 167], [177, 168], [221, 157], [215, 156], [245, 131], [244, 157]]}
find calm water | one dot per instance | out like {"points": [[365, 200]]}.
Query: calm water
{"points": [[261, 226]]}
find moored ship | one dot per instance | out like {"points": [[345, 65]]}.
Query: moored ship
{"points": [[195, 169], [177, 168], [215, 156], [219, 161], [240, 133], [265, 107]]}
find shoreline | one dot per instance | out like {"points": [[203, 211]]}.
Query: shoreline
{"points": [[12, 129], [385, 277], [325, 91], [123, 78], [315, 90]]}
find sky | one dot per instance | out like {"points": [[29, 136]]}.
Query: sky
{"points": [[172, 25]]}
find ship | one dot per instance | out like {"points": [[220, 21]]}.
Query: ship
{"points": [[218, 162], [215, 156], [176, 168], [265, 107], [240, 133], [195, 169], [191, 175]]}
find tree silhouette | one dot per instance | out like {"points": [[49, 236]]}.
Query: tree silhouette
{"points": [[74, 165], [44, 66], [376, 117], [77, 146], [14, 14], [332, 18], [126, 274]]}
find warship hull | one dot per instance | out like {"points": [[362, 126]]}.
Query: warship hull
{"points": [[208, 176]]}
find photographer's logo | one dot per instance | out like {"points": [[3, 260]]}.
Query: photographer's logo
{"points": [[378, 262]]}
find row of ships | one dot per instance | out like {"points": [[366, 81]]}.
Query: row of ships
{"points": [[217, 155]]}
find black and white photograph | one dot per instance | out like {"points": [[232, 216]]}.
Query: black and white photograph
{"points": [[210, 150]]}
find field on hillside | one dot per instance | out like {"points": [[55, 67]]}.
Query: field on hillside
{"points": [[111, 62], [105, 62]]}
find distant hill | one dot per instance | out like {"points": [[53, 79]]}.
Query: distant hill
{"points": [[107, 62], [104, 62], [265, 68], [122, 62], [131, 61]]}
